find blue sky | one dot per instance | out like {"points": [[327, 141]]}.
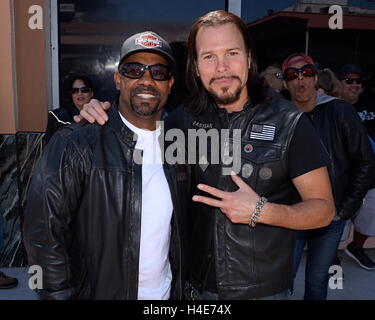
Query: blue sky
{"points": [[252, 9], [189, 10]]}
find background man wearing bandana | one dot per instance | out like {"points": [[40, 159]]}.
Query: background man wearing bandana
{"points": [[350, 169], [351, 77]]}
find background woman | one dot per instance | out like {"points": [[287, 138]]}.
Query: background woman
{"points": [[81, 91]]}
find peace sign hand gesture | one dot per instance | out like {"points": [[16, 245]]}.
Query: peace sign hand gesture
{"points": [[238, 206]]}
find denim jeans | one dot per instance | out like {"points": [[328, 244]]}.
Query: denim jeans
{"points": [[322, 247]]}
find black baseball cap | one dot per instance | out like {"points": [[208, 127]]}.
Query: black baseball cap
{"points": [[349, 68], [147, 41]]}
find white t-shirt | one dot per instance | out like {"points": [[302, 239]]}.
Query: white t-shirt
{"points": [[155, 275]]}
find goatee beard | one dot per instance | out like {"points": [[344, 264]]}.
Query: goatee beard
{"points": [[144, 108], [228, 99], [146, 111], [220, 100]]}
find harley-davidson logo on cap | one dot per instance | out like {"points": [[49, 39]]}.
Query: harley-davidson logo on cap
{"points": [[148, 40]]}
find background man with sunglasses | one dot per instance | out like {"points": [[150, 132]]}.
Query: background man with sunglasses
{"points": [[100, 224], [351, 77], [351, 167]]}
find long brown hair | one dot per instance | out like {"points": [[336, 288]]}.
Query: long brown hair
{"points": [[200, 98]]}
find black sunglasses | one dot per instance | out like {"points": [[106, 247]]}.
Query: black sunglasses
{"points": [[135, 70], [351, 80], [307, 70], [83, 90]]}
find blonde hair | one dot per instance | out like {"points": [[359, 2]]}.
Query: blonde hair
{"points": [[270, 75], [328, 82]]}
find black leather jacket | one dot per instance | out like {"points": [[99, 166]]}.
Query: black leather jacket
{"points": [[249, 262], [351, 168], [83, 216]]}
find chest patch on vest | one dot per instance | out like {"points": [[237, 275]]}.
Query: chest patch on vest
{"points": [[200, 125], [262, 132]]}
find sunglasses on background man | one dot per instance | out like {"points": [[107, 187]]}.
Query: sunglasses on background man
{"points": [[307, 70], [352, 80]]}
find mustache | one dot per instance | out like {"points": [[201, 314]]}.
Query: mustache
{"points": [[224, 77], [144, 89]]}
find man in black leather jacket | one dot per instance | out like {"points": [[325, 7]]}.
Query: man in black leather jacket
{"points": [[350, 169], [241, 246], [101, 221], [363, 100]]}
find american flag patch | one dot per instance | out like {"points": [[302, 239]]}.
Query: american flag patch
{"points": [[262, 132]]}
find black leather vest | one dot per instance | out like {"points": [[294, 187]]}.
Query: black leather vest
{"points": [[250, 262]]}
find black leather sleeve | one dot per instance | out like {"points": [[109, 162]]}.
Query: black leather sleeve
{"points": [[362, 164], [52, 126], [52, 200], [56, 119]]}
